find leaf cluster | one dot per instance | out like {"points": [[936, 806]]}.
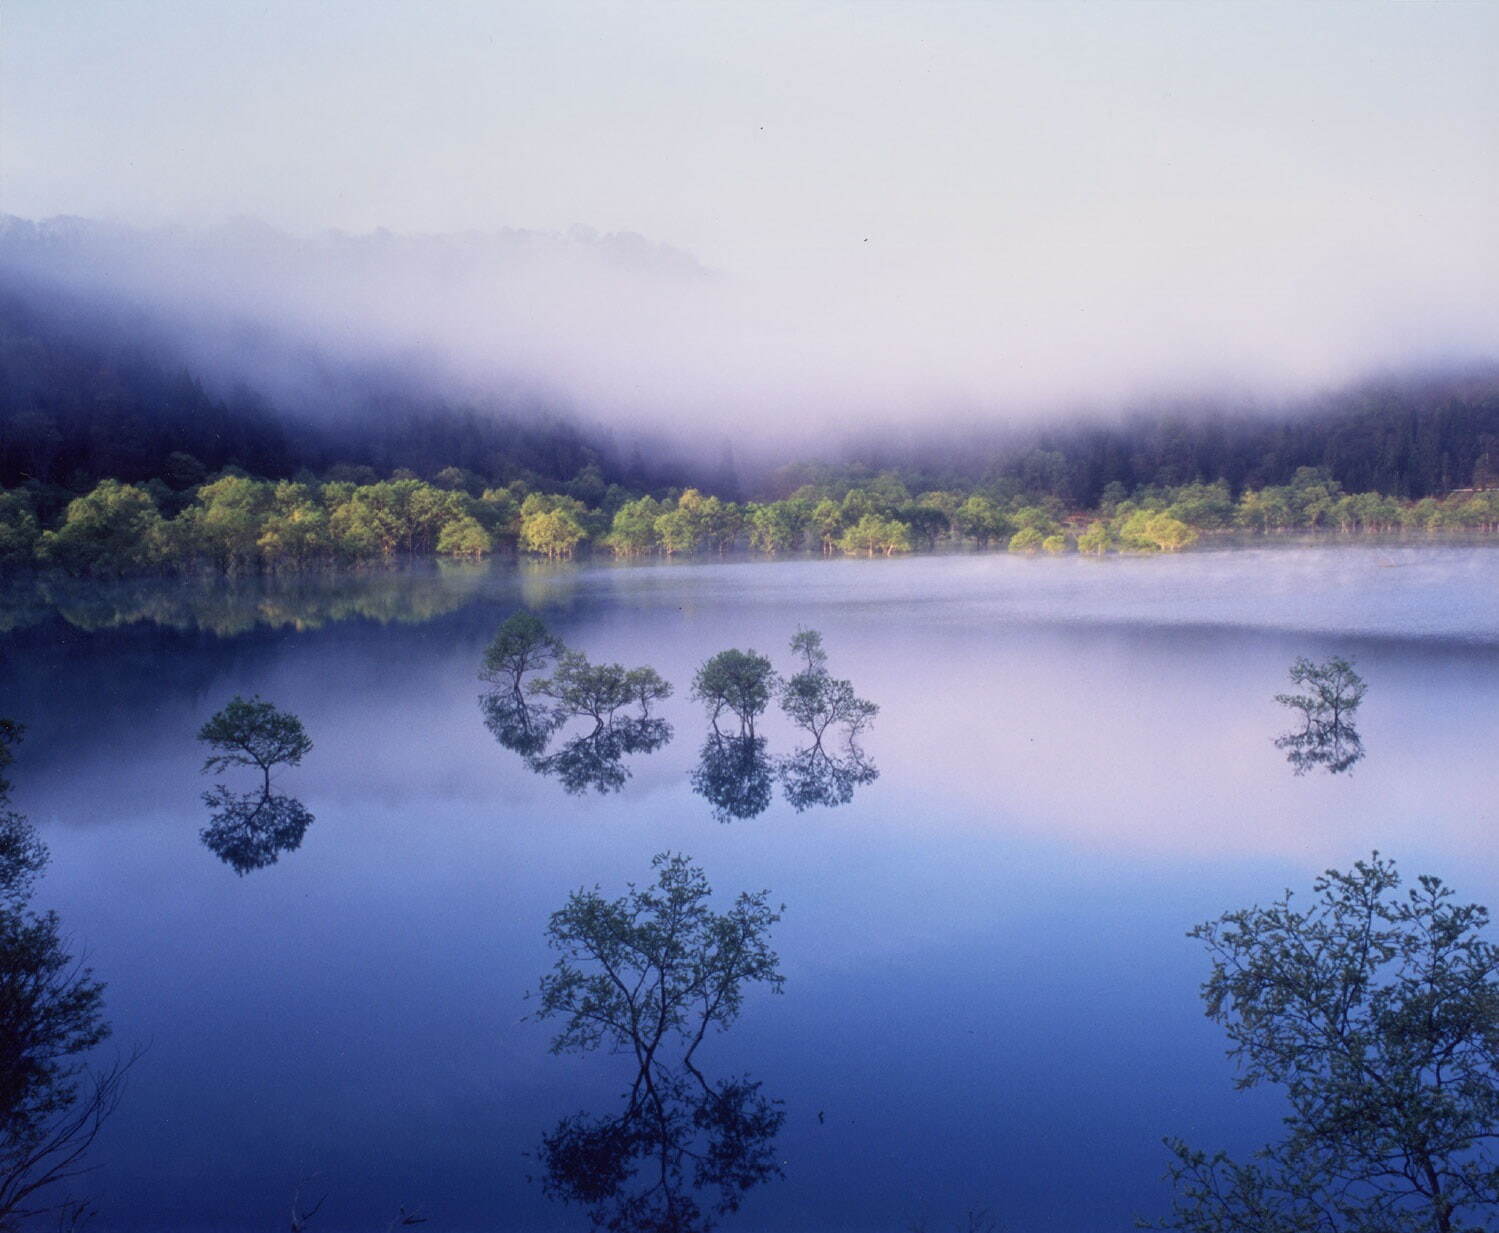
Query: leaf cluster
{"points": [[741, 682], [253, 733], [1378, 1014]]}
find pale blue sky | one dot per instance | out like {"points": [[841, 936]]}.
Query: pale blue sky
{"points": [[987, 189]]}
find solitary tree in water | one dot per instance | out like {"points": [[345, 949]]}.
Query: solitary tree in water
{"points": [[1378, 1013], [649, 975], [254, 733], [250, 830], [521, 645]]}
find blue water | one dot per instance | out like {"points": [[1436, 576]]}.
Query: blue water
{"points": [[989, 1001]]}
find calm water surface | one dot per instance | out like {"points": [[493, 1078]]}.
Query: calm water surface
{"points": [[990, 1001]]}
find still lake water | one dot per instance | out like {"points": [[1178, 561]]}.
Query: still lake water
{"points": [[990, 1001]]}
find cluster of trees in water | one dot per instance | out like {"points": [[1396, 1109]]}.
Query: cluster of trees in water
{"points": [[735, 773], [235, 524]]}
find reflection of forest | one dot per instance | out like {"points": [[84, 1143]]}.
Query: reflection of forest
{"points": [[231, 606]]}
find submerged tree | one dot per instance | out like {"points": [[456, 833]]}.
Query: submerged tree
{"points": [[1379, 1016], [254, 733], [580, 689], [815, 700], [1327, 736], [250, 830], [649, 975], [740, 682], [521, 645]]}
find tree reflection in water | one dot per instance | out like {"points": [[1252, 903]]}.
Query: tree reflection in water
{"points": [[251, 830], [596, 759], [811, 776], [735, 776], [648, 975], [1327, 737]]}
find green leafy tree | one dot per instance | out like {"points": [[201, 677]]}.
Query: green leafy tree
{"points": [[523, 644], [633, 531], [19, 530], [1378, 1015], [113, 530], [650, 975], [464, 537], [551, 526], [579, 688], [980, 520], [741, 682], [1096, 540], [815, 700], [1027, 539], [254, 733]]}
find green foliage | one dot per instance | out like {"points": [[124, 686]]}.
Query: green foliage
{"points": [[633, 530], [579, 688], [648, 976], [1027, 539], [873, 533], [656, 963], [113, 530], [522, 644], [19, 530], [1378, 1015], [464, 537], [980, 520], [815, 700], [253, 733], [741, 682], [551, 526], [1096, 540]]}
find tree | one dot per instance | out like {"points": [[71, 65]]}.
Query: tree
{"points": [[254, 733], [1379, 1016], [1327, 737], [648, 975], [521, 645], [815, 700], [464, 537], [52, 1104], [113, 530], [739, 681], [580, 688]]}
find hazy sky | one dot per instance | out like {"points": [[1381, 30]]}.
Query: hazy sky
{"points": [[910, 201]]}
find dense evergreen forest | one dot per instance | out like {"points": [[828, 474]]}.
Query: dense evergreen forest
{"points": [[117, 459]]}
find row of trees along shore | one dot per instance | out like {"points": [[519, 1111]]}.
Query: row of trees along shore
{"points": [[238, 524]]}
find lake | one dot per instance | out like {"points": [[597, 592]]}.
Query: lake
{"points": [[990, 1001]]}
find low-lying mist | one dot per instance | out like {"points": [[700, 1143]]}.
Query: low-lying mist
{"points": [[647, 342]]}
